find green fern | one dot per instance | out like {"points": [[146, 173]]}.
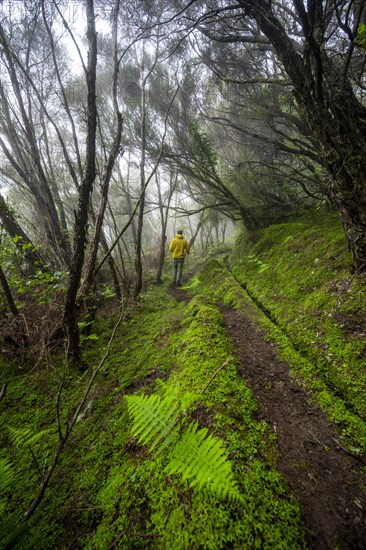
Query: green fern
{"points": [[6, 473], [25, 436], [155, 420], [194, 454], [202, 460], [6, 477]]}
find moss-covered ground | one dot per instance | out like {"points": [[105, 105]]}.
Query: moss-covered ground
{"points": [[299, 274], [109, 492]]}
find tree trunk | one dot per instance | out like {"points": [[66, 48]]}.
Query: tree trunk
{"points": [[198, 228], [161, 255], [89, 272], [138, 247], [8, 295], [347, 190], [141, 211], [125, 282], [164, 213], [90, 268], [81, 219], [336, 117]]}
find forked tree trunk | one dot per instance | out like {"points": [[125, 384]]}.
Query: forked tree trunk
{"points": [[342, 135], [90, 268], [85, 190]]}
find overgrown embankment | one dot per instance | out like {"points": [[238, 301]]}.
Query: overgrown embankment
{"points": [[299, 274], [107, 490], [326, 477]]}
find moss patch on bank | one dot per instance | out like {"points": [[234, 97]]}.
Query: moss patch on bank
{"points": [[294, 280], [300, 273], [107, 490]]}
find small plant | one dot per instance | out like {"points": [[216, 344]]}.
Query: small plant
{"points": [[85, 327], [108, 292], [361, 37], [6, 477], [192, 453], [262, 266]]}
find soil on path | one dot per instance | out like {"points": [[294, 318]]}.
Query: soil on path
{"points": [[324, 476]]}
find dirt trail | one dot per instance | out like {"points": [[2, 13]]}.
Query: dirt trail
{"points": [[324, 477]]}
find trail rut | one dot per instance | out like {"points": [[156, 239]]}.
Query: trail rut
{"points": [[325, 478]]}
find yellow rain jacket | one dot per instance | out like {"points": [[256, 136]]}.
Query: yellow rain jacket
{"points": [[179, 246]]}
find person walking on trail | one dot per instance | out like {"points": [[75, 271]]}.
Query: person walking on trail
{"points": [[179, 248]]}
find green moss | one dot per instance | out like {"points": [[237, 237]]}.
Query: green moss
{"points": [[143, 507], [107, 491], [309, 304], [143, 348]]}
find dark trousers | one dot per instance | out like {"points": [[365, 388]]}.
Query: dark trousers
{"points": [[177, 270]]}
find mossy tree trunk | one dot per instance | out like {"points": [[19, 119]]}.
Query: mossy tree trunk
{"points": [[325, 95]]}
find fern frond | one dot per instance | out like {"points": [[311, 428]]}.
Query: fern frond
{"points": [[6, 477], [18, 436], [202, 460], [153, 418], [25, 436], [6, 473], [197, 456]]}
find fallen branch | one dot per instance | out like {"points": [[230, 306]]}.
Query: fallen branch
{"points": [[3, 391], [63, 438], [215, 374]]}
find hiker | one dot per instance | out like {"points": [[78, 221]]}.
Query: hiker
{"points": [[179, 248]]}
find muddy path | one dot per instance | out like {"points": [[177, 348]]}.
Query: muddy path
{"points": [[325, 478]]}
